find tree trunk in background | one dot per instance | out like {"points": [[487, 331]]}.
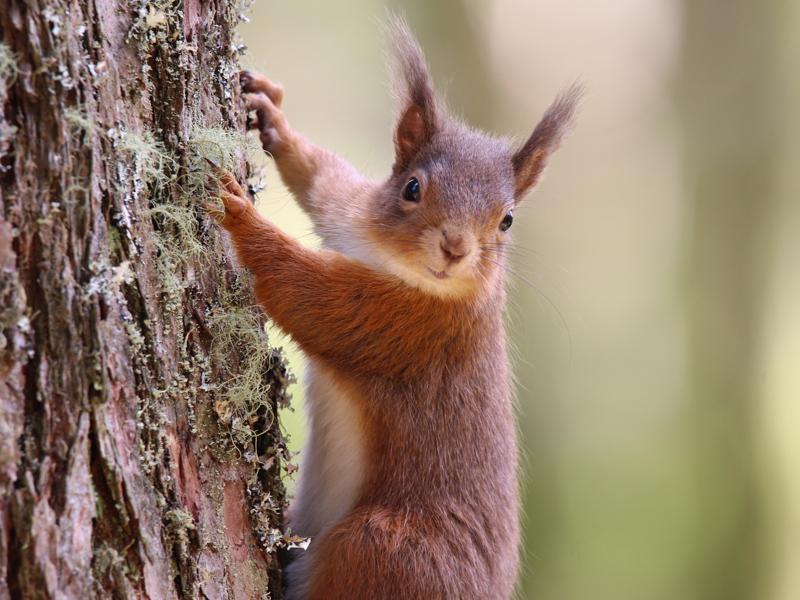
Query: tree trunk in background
{"points": [[133, 460], [730, 134], [780, 410]]}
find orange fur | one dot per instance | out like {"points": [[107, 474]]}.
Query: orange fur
{"points": [[404, 319]]}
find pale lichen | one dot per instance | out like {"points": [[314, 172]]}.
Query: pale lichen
{"points": [[224, 148], [152, 161], [246, 393], [8, 62], [180, 526], [80, 120]]}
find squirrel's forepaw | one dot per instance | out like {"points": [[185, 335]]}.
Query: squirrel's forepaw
{"points": [[264, 98], [235, 204], [256, 83]]}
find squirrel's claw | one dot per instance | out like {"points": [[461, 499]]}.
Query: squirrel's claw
{"points": [[229, 184], [234, 199], [256, 83], [269, 121], [232, 209], [264, 97]]}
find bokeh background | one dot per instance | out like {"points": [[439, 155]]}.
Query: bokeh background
{"points": [[655, 311]]}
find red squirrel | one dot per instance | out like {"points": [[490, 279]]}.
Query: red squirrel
{"points": [[408, 487]]}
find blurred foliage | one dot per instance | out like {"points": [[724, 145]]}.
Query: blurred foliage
{"points": [[656, 283]]}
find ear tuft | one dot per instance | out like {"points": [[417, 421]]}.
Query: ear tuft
{"points": [[413, 86], [530, 160]]}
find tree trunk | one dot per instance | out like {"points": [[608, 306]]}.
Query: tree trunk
{"points": [[732, 131], [139, 446]]}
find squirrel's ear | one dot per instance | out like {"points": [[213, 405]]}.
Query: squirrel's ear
{"points": [[530, 160], [418, 111]]}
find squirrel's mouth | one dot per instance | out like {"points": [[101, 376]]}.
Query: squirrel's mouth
{"points": [[438, 274]]}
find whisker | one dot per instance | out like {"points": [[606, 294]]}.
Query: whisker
{"points": [[561, 318]]}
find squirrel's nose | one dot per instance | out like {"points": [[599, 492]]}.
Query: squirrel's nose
{"points": [[453, 247]]}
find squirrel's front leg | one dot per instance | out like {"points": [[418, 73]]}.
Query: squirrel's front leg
{"points": [[322, 182], [336, 309]]}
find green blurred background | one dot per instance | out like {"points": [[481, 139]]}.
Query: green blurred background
{"points": [[654, 313]]}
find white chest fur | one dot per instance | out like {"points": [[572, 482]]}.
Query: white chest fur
{"points": [[332, 463]]}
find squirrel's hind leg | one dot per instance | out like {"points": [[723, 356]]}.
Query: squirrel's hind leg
{"points": [[382, 553]]}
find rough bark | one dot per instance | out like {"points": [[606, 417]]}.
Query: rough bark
{"points": [[128, 466]]}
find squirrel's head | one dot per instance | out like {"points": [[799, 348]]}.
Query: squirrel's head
{"points": [[444, 216]]}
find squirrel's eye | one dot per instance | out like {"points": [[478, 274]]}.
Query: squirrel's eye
{"points": [[506, 222], [411, 191]]}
